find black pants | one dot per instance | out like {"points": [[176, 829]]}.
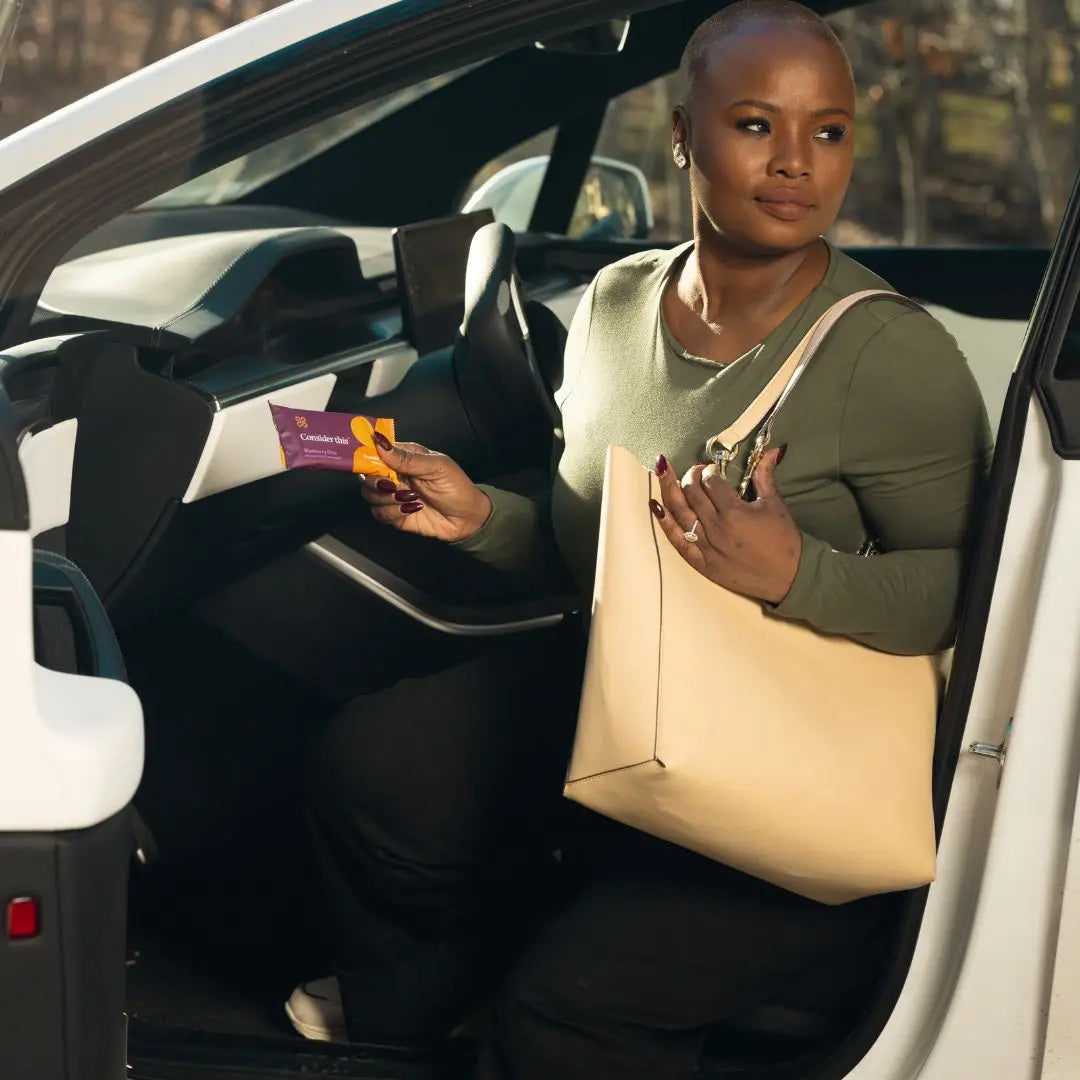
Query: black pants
{"points": [[436, 809]]}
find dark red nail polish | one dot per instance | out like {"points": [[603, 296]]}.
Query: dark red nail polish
{"points": [[781, 453], [412, 508], [381, 441], [661, 465], [406, 496], [657, 509], [386, 486]]}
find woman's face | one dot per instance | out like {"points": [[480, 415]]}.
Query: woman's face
{"points": [[770, 139]]}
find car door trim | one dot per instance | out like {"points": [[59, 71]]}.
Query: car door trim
{"points": [[455, 621], [47, 458]]}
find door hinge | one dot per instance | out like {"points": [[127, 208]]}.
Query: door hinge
{"points": [[997, 751]]}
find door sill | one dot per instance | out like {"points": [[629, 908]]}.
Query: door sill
{"points": [[157, 1053]]}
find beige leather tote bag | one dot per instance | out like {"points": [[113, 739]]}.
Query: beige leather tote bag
{"points": [[797, 757]]}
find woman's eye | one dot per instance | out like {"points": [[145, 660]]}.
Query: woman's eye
{"points": [[756, 125], [832, 133]]}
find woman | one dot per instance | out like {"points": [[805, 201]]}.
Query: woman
{"points": [[430, 803]]}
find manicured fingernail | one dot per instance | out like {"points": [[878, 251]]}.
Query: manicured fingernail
{"points": [[661, 465], [381, 441], [657, 509], [406, 496], [412, 508], [780, 453], [387, 487]]}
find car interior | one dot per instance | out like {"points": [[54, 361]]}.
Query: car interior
{"points": [[252, 603]]}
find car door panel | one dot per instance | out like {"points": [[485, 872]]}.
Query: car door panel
{"points": [[71, 755], [62, 990], [37, 392], [48, 459]]}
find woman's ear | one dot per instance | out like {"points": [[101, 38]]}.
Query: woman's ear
{"points": [[680, 152]]}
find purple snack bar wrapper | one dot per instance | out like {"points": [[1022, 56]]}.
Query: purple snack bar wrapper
{"points": [[312, 439]]}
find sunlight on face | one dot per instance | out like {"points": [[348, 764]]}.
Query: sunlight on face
{"points": [[771, 138]]}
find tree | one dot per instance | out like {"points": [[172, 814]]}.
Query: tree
{"points": [[65, 49]]}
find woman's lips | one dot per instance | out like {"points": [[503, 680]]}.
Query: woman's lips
{"points": [[784, 209]]}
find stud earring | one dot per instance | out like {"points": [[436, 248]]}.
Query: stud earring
{"points": [[680, 156]]}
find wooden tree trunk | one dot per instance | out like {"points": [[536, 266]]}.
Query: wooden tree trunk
{"points": [[911, 111], [157, 43], [1033, 114]]}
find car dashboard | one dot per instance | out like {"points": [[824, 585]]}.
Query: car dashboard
{"points": [[225, 310], [166, 353]]}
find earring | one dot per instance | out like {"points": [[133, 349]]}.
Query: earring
{"points": [[680, 156]]}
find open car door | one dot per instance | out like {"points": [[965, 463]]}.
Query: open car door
{"points": [[71, 755]]}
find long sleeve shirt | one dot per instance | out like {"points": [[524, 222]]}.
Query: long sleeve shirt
{"points": [[887, 438]]}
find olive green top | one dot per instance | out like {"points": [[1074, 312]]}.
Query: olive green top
{"points": [[887, 437]]}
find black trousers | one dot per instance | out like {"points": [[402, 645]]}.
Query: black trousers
{"points": [[454, 868]]}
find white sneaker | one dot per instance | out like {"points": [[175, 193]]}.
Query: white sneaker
{"points": [[315, 1010]]}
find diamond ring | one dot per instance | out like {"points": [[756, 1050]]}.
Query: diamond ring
{"points": [[691, 537]]}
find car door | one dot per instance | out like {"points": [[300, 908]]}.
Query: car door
{"points": [[1012, 660], [71, 754], [996, 948]]}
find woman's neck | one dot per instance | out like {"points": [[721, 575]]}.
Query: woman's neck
{"points": [[717, 279]]}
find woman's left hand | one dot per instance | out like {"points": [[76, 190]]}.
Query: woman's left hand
{"points": [[751, 548]]}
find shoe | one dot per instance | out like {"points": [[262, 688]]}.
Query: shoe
{"points": [[315, 1010]]}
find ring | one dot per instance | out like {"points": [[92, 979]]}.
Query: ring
{"points": [[691, 537]]}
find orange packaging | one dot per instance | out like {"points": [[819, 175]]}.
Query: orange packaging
{"points": [[312, 439]]}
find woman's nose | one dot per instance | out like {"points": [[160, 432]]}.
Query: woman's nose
{"points": [[791, 160]]}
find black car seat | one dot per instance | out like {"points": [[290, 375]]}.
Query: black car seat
{"points": [[508, 354]]}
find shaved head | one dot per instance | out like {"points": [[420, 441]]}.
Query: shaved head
{"points": [[766, 127], [747, 17]]}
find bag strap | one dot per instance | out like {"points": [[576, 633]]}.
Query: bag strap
{"points": [[723, 447]]}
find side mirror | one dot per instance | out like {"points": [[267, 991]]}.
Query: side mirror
{"points": [[614, 201]]}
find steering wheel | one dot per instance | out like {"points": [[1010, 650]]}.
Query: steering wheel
{"points": [[508, 353]]}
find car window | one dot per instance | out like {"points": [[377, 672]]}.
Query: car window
{"points": [[636, 131], [237, 178], [613, 199], [967, 124], [967, 128], [509, 184], [626, 190]]}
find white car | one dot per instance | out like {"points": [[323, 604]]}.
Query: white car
{"points": [[178, 615]]}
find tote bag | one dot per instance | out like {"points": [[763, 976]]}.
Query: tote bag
{"points": [[797, 757]]}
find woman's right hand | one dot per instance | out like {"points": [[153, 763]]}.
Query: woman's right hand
{"points": [[434, 498]]}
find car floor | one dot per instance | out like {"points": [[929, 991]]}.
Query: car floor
{"points": [[230, 917]]}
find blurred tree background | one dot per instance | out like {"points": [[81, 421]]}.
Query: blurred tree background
{"points": [[65, 49], [968, 124], [967, 127]]}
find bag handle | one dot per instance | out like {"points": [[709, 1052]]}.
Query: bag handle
{"points": [[722, 448]]}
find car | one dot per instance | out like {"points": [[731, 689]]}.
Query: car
{"points": [[284, 213]]}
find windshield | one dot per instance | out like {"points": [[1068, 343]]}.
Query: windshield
{"points": [[245, 174], [9, 17]]}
